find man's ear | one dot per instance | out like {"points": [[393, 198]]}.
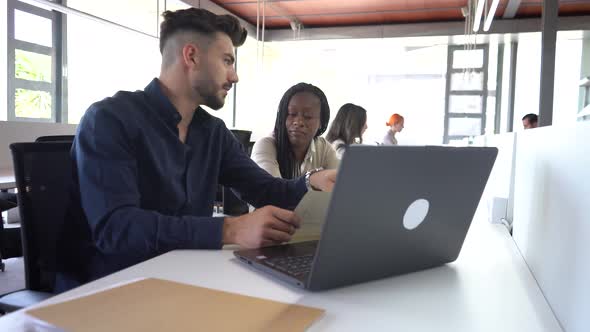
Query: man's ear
{"points": [[191, 55]]}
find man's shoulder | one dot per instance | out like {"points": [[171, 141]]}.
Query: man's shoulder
{"points": [[123, 102], [125, 106], [205, 117]]}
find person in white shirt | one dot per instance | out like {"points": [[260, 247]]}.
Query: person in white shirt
{"points": [[296, 146], [396, 125], [348, 128]]}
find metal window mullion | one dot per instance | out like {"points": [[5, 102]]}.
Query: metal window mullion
{"points": [[467, 92], [11, 114], [60, 58], [32, 47], [460, 70], [549, 19], [512, 85], [458, 137], [54, 63], [484, 97], [21, 119], [25, 7], [20, 83], [15, 83], [498, 92], [465, 115], [450, 50]]}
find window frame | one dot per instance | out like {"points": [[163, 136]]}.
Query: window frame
{"points": [[483, 92], [13, 44]]}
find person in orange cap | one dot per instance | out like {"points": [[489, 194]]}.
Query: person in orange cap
{"points": [[396, 125]]}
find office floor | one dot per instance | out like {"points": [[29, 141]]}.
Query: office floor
{"points": [[13, 278]]}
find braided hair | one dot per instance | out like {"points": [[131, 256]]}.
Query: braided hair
{"points": [[288, 164]]}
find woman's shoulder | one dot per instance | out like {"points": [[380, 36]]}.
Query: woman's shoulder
{"points": [[264, 144], [338, 142], [266, 140], [321, 143]]}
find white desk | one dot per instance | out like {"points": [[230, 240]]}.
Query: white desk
{"points": [[489, 288], [6, 178]]}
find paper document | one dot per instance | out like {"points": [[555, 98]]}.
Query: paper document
{"points": [[161, 305], [312, 210]]}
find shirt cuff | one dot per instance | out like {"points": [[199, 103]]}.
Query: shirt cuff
{"points": [[300, 186], [208, 233]]}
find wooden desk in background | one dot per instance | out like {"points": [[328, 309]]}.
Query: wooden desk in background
{"points": [[7, 179]]}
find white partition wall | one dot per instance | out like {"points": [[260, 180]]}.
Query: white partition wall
{"points": [[498, 194], [552, 217], [12, 131]]}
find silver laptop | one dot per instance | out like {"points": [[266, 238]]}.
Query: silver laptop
{"points": [[394, 210]]}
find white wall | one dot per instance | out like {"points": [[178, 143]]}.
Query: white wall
{"points": [[12, 132], [3, 62], [501, 182], [552, 218]]}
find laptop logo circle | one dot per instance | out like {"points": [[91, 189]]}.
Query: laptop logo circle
{"points": [[416, 213]]}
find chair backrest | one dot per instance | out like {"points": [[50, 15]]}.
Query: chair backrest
{"points": [[55, 138], [232, 204], [43, 174], [243, 137]]}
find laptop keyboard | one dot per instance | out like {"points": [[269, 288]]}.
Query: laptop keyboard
{"points": [[296, 266]]}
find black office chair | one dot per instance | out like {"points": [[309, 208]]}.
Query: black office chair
{"points": [[243, 137], [55, 138], [10, 239], [43, 173], [232, 204], [9, 242]]}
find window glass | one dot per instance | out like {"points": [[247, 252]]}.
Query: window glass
{"points": [[32, 104], [528, 76], [467, 59], [32, 66], [113, 59], [401, 75], [32, 28], [569, 69], [141, 15], [4, 65], [464, 126], [467, 81], [465, 104]]}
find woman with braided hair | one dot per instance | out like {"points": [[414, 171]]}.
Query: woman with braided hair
{"points": [[296, 146]]}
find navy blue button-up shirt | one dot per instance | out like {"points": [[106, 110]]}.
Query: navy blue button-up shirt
{"points": [[143, 192]]}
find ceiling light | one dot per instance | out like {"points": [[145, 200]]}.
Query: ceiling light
{"points": [[488, 22], [478, 14]]}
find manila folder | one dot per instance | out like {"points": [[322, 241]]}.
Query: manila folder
{"points": [[160, 305]]}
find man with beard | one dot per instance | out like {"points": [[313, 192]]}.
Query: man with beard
{"points": [[148, 163]]}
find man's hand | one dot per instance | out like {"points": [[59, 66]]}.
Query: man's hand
{"points": [[324, 180], [266, 226]]}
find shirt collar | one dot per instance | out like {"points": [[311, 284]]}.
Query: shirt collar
{"points": [[163, 105], [311, 151], [166, 110], [308, 160]]}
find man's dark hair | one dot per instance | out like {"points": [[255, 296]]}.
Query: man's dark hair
{"points": [[531, 117], [200, 21], [285, 155], [348, 124]]}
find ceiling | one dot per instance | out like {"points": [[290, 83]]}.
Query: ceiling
{"points": [[278, 14]]}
